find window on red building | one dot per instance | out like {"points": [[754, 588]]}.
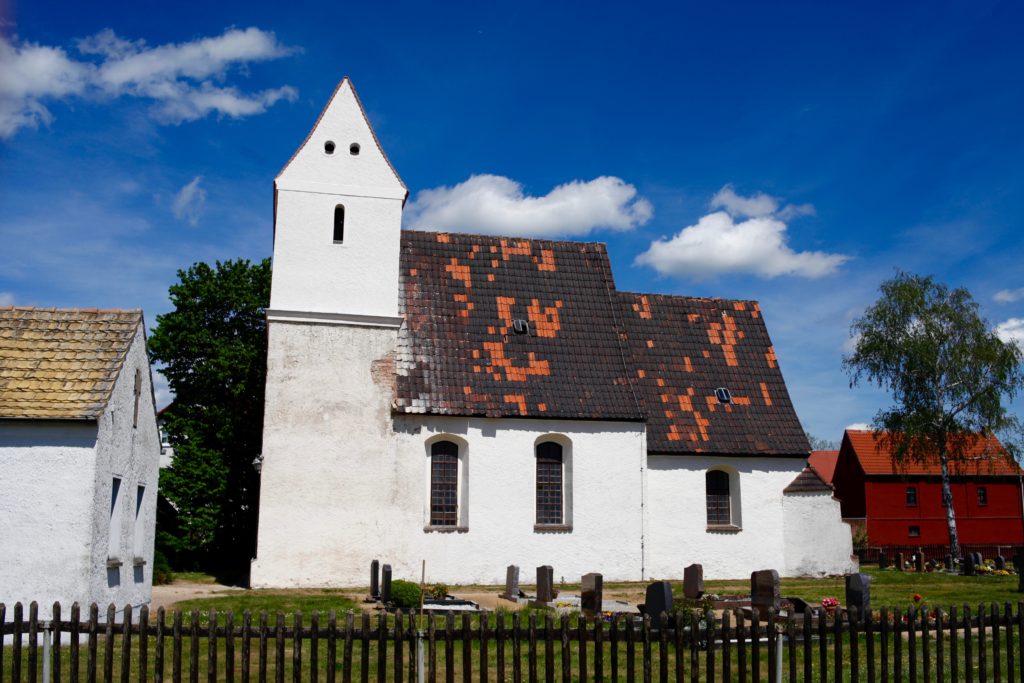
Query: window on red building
{"points": [[982, 496], [914, 531], [911, 496]]}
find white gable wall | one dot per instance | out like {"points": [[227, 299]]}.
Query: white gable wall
{"points": [[46, 499], [817, 540], [133, 454]]}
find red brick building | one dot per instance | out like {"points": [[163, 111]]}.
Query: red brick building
{"points": [[902, 505]]}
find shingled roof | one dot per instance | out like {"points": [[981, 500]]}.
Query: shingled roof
{"points": [[590, 352], [61, 364], [983, 456]]}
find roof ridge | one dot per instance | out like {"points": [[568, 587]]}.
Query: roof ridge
{"points": [[603, 245], [55, 309], [689, 298]]}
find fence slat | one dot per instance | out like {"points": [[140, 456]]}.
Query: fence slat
{"points": [[264, 628], [982, 655], [726, 646], [926, 664], [296, 647], [897, 645], [566, 655], [3, 622], [662, 651], [996, 667], [940, 659], [94, 619], [709, 639], [599, 651], [791, 642], [176, 645], [56, 667], [741, 642], [694, 661], [229, 646], [108, 645], [630, 652], [449, 647], [613, 654], [33, 640], [332, 646], [396, 652], [883, 641], [211, 647], [954, 654], [1008, 622], [822, 645], [382, 648], [432, 653], [346, 657], [467, 650], [968, 646], [364, 648], [314, 646], [158, 654], [808, 642], [246, 671], [853, 620], [499, 646], [581, 624], [76, 618], [837, 646], [143, 644], [645, 646], [517, 667], [912, 641], [126, 645], [279, 647]]}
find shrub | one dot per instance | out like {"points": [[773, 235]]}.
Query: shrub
{"points": [[162, 574], [405, 594]]}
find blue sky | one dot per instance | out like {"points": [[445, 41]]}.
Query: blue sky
{"points": [[794, 153]]}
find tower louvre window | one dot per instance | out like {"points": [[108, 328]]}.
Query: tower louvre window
{"points": [[339, 224]]}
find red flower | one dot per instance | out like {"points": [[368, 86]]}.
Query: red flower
{"points": [[918, 597]]}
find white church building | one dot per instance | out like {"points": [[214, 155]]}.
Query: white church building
{"points": [[477, 401]]}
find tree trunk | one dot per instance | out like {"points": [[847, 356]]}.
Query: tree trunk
{"points": [[947, 500]]}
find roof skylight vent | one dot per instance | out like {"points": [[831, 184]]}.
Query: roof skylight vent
{"points": [[520, 326], [723, 395]]}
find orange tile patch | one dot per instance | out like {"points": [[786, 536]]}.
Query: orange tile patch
{"points": [[770, 357], [545, 321], [739, 306], [413, 272], [505, 304], [494, 263], [650, 343], [756, 312], [643, 309], [547, 260], [661, 382], [490, 277], [519, 400], [542, 407], [514, 373], [688, 363], [443, 238], [685, 403], [707, 354], [459, 272], [692, 317], [467, 390], [765, 395], [522, 248], [673, 433], [741, 400], [641, 374], [712, 402], [724, 335], [702, 424]]}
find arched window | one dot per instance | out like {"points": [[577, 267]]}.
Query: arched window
{"points": [[716, 489], [444, 484], [549, 483], [339, 224]]}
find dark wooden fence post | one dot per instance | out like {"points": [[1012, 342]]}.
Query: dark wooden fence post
{"points": [[108, 645], [55, 669], [126, 644], [968, 646], [229, 646], [143, 644], [33, 640], [467, 648]]}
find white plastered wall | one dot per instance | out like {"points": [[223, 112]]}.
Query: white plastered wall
{"points": [[345, 483], [817, 541], [133, 455], [46, 500], [677, 522]]}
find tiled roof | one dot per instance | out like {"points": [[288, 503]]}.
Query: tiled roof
{"points": [[459, 353], [984, 457], [824, 463], [682, 350], [61, 363], [590, 352], [808, 481]]}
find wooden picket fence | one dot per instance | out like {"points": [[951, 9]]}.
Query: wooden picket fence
{"points": [[982, 645]]}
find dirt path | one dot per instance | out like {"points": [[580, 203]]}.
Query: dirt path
{"points": [[167, 596]]}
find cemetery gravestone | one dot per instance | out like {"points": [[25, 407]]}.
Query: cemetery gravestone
{"points": [[1000, 562], [949, 562], [385, 589], [545, 583], [658, 600], [764, 590], [693, 582], [858, 592], [899, 562], [919, 562], [511, 583], [375, 580], [592, 594], [967, 566], [883, 560], [978, 559]]}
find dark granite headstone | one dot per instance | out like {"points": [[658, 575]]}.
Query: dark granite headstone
{"points": [[967, 565], [1000, 562], [511, 583], [800, 605], [375, 580], [545, 583], [693, 582], [658, 600], [899, 562], [883, 560], [948, 560], [385, 583], [764, 590], [858, 592], [978, 559], [919, 562], [930, 565], [592, 594]]}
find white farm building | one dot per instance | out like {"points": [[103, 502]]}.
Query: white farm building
{"points": [[478, 401], [79, 456]]}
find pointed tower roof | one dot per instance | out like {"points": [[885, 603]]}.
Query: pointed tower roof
{"points": [[346, 132]]}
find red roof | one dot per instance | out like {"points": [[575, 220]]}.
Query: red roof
{"points": [[984, 457], [824, 463]]}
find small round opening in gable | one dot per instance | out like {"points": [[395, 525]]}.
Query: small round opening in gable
{"points": [[329, 147], [353, 149]]}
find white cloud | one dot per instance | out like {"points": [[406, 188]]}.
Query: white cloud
{"points": [[859, 427], [189, 202], [6, 298], [1007, 296], [719, 243], [1011, 330], [497, 205], [184, 80], [161, 390]]}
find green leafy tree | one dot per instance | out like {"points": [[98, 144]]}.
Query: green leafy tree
{"points": [[950, 377], [213, 348]]}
